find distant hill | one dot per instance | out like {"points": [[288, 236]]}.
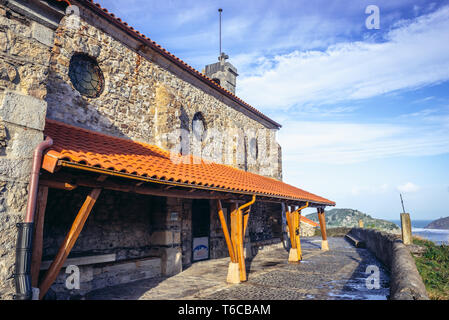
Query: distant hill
{"points": [[442, 223], [351, 217]]}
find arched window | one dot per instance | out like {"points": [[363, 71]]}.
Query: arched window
{"points": [[254, 148], [86, 75], [199, 126], [216, 80]]}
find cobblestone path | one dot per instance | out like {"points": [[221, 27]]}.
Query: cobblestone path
{"points": [[335, 274]]}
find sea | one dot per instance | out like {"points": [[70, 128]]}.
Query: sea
{"points": [[439, 236]]}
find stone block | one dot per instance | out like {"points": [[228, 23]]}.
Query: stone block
{"points": [[233, 273], [406, 228], [20, 142], [42, 34], [165, 237], [23, 110], [171, 261], [16, 170], [324, 245]]}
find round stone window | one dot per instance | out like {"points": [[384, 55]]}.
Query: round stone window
{"points": [[86, 75]]}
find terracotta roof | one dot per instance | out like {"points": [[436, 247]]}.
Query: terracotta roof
{"points": [[147, 41], [89, 148], [308, 221]]}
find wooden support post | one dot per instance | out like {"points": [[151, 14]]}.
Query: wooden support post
{"points": [[406, 227], [234, 230], [247, 250], [233, 270], [240, 254], [226, 232], [38, 237], [291, 221], [298, 235], [68, 242], [322, 219]]}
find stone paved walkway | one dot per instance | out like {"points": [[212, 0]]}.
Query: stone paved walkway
{"points": [[335, 274]]}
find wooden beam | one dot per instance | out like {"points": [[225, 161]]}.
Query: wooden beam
{"points": [[38, 237], [58, 185], [102, 177], [109, 185], [83, 180], [226, 231], [69, 242]]}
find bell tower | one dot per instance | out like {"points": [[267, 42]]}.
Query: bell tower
{"points": [[222, 72]]}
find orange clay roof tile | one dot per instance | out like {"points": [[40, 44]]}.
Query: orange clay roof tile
{"points": [[77, 145], [308, 221]]}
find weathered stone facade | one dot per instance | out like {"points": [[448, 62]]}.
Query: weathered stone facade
{"points": [[145, 102], [24, 62], [146, 99]]}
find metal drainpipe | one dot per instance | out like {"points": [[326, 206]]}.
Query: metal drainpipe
{"points": [[24, 244]]}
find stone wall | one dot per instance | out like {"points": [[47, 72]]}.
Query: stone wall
{"points": [[25, 46], [145, 102], [307, 230], [265, 221], [120, 223]]}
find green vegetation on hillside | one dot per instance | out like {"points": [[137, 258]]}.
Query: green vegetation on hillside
{"points": [[433, 266], [350, 218]]}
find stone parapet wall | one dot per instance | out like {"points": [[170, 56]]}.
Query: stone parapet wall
{"points": [[405, 281]]}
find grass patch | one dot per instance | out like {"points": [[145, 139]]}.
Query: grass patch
{"points": [[433, 265]]}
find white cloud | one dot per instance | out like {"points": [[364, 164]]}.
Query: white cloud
{"points": [[342, 143], [408, 187], [414, 54], [364, 190]]}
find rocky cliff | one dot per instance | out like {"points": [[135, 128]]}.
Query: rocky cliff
{"points": [[442, 223]]}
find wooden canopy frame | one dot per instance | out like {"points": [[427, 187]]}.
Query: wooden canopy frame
{"points": [[70, 179]]}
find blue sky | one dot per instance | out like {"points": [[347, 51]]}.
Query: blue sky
{"points": [[365, 112]]}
